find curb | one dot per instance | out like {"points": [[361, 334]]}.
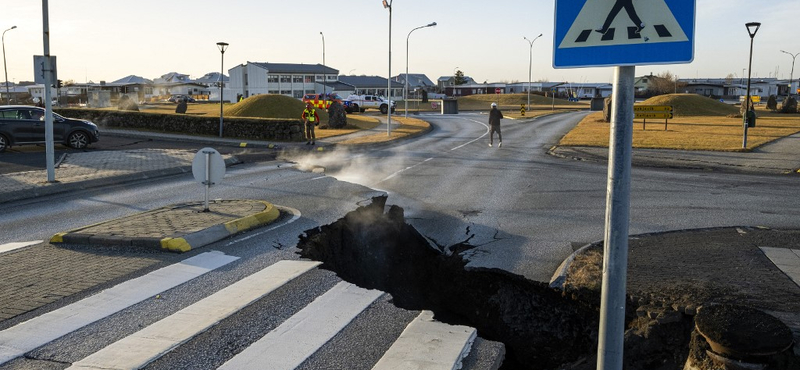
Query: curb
{"points": [[182, 244], [560, 275]]}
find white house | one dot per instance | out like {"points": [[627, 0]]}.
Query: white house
{"points": [[296, 80]]}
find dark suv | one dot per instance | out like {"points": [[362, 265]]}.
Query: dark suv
{"points": [[22, 124]]}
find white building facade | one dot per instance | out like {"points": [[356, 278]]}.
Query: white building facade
{"points": [[295, 80]]}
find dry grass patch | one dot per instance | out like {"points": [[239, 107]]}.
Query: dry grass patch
{"points": [[354, 123], [512, 102], [717, 133], [408, 126]]}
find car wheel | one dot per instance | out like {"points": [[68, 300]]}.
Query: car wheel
{"points": [[3, 143], [384, 109], [78, 140], [355, 108]]}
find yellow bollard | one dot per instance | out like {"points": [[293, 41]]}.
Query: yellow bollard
{"points": [[522, 110]]}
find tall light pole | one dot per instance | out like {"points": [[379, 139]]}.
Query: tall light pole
{"points": [[4, 62], [387, 4], [752, 28], [530, 66], [324, 75], [405, 91], [791, 75], [222, 47]]}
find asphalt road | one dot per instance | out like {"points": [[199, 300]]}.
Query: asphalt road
{"points": [[525, 210]]}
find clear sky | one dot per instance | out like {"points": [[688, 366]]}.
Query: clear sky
{"points": [[106, 40]]}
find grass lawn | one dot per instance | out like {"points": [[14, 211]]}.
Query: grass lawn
{"points": [[408, 126], [718, 133]]}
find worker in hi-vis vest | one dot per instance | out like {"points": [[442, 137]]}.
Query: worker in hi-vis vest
{"points": [[311, 119]]}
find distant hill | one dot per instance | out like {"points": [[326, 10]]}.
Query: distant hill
{"points": [[267, 106], [692, 105]]}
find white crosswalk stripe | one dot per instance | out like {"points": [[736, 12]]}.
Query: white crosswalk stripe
{"points": [[31, 334], [307, 330], [428, 344], [287, 344], [141, 348]]}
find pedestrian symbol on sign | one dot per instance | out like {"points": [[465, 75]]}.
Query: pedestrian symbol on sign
{"points": [[592, 33]]}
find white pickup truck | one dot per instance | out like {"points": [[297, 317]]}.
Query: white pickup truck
{"points": [[360, 103]]}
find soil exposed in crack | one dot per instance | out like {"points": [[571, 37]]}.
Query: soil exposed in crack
{"points": [[538, 325], [542, 327]]}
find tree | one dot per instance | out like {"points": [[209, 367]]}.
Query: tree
{"points": [[459, 78], [665, 83]]}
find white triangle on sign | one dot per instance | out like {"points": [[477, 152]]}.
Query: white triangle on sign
{"points": [[594, 13]]}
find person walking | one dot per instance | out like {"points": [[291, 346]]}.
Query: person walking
{"points": [[615, 9], [311, 119], [494, 123]]}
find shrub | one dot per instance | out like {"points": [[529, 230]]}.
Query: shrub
{"points": [[772, 103], [789, 105]]}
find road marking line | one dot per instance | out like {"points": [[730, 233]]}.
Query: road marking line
{"points": [[12, 246], [295, 216], [401, 171], [476, 139], [428, 344], [34, 333], [145, 346], [303, 334], [787, 260]]}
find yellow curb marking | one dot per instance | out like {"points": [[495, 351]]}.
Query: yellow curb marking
{"points": [[271, 146], [269, 214], [179, 245], [58, 238], [242, 145]]}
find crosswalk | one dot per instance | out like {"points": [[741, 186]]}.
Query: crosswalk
{"points": [[312, 336], [630, 33]]}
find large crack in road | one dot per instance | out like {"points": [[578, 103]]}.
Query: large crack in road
{"points": [[542, 327]]}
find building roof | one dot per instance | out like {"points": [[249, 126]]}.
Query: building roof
{"points": [[414, 79], [364, 82], [296, 68], [211, 78], [132, 80]]}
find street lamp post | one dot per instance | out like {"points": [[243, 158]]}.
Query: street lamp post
{"points": [[324, 75], [752, 28], [4, 62], [387, 4], [405, 90], [791, 75], [222, 47], [530, 66]]}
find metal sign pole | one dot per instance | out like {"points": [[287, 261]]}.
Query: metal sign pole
{"points": [[208, 178], [48, 104], [615, 259]]}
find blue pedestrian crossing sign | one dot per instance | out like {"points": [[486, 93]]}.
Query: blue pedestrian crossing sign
{"points": [[595, 33]]}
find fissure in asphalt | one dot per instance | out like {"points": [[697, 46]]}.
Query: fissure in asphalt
{"points": [[541, 327]]}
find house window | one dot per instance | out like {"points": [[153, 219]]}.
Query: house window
{"points": [[286, 92], [309, 79], [298, 94], [286, 78], [273, 79], [332, 77], [272, 92], [297, 79], [320, 78]]}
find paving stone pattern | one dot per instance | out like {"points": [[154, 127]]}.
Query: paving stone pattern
{"points": [[175, 221], [39, 275]]}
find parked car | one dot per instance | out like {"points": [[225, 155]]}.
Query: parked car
{"points": [[178, 98], [23, 125]]}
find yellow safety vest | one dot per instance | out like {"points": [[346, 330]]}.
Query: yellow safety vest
{"points": [[310, 115]]}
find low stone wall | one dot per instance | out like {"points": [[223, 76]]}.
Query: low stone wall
{"points": [[234, 127]]}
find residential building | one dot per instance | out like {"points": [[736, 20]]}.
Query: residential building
{"points": [[446, 81], [416, 82], [296, 80]]}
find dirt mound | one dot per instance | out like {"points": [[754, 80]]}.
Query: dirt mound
{"points": [[267, 106], [692, 105]]}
